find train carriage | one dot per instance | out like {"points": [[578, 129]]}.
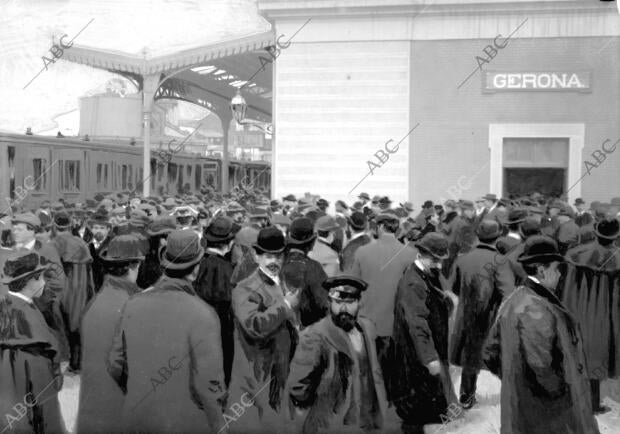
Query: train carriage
{"points": [[35, 168]]}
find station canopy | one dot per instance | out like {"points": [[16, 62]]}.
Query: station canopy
{"points": [[202, 50]]}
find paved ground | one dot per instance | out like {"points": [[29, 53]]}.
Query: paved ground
{"points": [[484, 418]]}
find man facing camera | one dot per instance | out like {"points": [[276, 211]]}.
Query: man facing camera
{"points": [[339, 350]]}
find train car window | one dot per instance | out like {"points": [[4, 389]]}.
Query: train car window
{"points": [[105, 176], [124, 177], [99, 174], [189, 170], [12, 171], [180, 183], [130, 177], [172, 173], [39, 173], [69, 178], [198, 176]]}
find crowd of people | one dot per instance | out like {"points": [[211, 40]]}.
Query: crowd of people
{"points": [[191, 313]]}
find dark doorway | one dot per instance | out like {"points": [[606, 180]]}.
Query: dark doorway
{"points": [[547, 181]]}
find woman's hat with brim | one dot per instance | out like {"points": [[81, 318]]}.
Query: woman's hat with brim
{"points": [[22, 265], [608, 228], [434, 244], [220, 230], [540, 249], [182, 251], [123, 248], [270, 240]]}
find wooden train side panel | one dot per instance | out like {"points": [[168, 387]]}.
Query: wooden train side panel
{"points": [[32, 172]]}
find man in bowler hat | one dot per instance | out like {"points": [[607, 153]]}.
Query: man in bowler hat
{"points": [[536, 348]]}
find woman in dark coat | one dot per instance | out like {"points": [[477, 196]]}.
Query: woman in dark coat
{"points": [[29, 368], [421, 388], [101, 401], [536, 348]]}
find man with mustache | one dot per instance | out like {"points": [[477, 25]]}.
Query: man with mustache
{"points": [[335, 374], [265, 318], [100, 228]]}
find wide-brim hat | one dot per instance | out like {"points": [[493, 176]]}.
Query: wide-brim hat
{"points": [[326, 223], [220, 230], [364, 196], [27, 218], [182, 251], [489, 196], [123, 248], [358, 220], [161, 225], [21, 265], [434, 244], [516, 216], [540, 249], [608, 228], [270, 240]]}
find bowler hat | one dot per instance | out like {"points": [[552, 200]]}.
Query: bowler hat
{"points": [[21, 265], [608, 228], [450, 204], [326, 223], [301, 231], [364, 196], [435, 244], [322, 203], [182, 251], [466, 204], [27, 218], [161, 225], [344, 287], [579, 201], [376, 198], [385, 201], [386, 217], [123, 248], [358, 220], [540, 249], [427, 204], [530, 225], [489, 196], [270, 240], [407, 206], [139, 218], [220, 230], [488, 230], [289, 198]]}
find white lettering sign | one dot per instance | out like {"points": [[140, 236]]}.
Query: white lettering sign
{"points": [[537, 81]]}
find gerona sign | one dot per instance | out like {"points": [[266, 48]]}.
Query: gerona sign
{"points": [[542, 81]]}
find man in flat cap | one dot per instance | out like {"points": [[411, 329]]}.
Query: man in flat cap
{"points": [[537, 350], [339, 350], [421, 387], [166, 356], [265, 320], [100, 400], [30, 369], [323, 251]]}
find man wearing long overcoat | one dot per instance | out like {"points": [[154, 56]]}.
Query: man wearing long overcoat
{"points": [[536, 348], [335, 375], [79, 284], [591, 291], [166, 356], [101, 400], [358, 225], [482, 279], [265, 320], [421, 388]]}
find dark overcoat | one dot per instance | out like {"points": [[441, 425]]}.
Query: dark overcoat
{"points": [[267, 338], [420, 336], [482, 279], [591, 291], [97, 261], [79, 286], [167, 358], [300, 273], [536, 348], [30, 376], [451, 226], [101, 400], [324, 379], [347, 255]]}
